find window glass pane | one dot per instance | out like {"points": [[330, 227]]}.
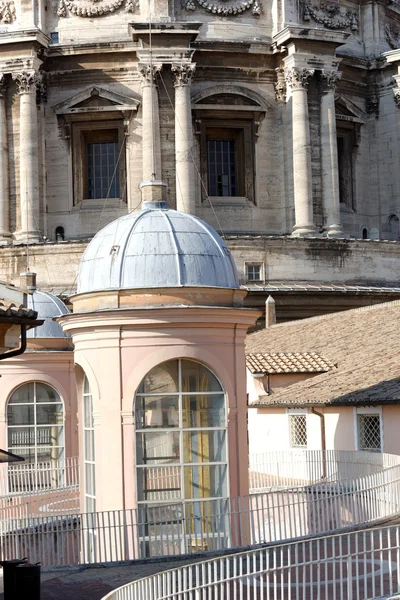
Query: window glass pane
{"points": [[369, 428], [203, 411], [88, 411], [45, 393], [21, 436], [197, 378], [159, 483], [20, 415], [27, 453], [298, 431], [157, 447], [89, 445], [90, 504], [157, 411], [49, 414], [86, 386], [162, 379], [90, 479], [49, 454], [25, 393], [205, 481], [102, 159], [221, 162], [204, 446]]}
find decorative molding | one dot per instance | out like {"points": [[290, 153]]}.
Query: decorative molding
{"points": [[149, 72], [183, 74], [27, 81], [298, 78], [396, 94], [280, 85], [94, 8], [7, 12], [392, 34], [330, 15], [225, 8], [329, 80]]}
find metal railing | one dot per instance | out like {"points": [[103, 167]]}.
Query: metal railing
{"points": [[26, 478], [301, 467], [178, 528], [351, 566]]}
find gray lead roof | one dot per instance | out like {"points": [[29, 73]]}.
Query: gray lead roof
{"points": [[47, 306], [154, 248]]}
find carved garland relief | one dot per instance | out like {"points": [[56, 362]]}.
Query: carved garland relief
{"points": [[225, 8], [330, 15], [94, 8]]}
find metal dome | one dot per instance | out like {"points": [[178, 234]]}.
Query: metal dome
{"points": [[154, 248], [47, 306]]}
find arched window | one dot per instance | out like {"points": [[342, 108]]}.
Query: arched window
{"points": [[181, 447], [394, 227], [35, 423], [88, 448], [365, 233]]}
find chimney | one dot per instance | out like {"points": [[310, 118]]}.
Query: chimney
{"points": [[27, 282], [270, 314]]}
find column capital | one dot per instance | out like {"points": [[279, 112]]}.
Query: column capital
{"points": [[329, 80], [27, 81], [183, 74], [297, 78], [149, 72], [3, 83]]}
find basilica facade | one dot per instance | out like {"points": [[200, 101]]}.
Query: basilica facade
{"points": [[275, 122]]}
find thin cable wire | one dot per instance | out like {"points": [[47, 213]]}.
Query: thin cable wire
{"points": [[202, 183]]}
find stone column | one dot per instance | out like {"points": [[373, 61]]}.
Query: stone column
{"points": [[5, 235], [184, 166], [28, 157], [329, 156], [151, 143], [297, 79]]}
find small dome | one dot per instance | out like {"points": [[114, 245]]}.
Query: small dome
{"points": [[47, 306], [156, 248]]}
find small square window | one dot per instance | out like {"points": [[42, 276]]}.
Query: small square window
{"points": [[369, 432], [254, 271], [54, 37], [298, 430]]}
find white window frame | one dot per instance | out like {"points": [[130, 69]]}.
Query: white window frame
{"points": [[87, 398], [367, 410], [297, 411], [255, 264]]}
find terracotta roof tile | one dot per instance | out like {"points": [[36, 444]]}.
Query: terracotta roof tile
{"points": [[287, 362]]}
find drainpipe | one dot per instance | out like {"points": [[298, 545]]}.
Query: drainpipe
{"points": [[19, 350], [323, 440]]}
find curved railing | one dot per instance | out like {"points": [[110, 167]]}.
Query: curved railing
{"points": [[347, 566], [360, 565]]}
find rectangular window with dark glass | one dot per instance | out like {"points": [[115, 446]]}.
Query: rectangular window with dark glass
{"points": [[102, 170], [224, 165], [221, 167]]}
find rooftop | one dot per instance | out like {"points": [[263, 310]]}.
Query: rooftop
{"points": [[362, 342]]}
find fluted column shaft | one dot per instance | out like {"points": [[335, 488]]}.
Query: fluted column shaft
{"points": [[185, 188], [5, 235], [297, 79], [329, 156], [28, 158]]}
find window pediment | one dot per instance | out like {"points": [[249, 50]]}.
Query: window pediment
{"points": [[346, 110], [96, 99]]}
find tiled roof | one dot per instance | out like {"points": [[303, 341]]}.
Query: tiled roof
{"points": [[363, 343], [287, 362], [11, 310]]}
